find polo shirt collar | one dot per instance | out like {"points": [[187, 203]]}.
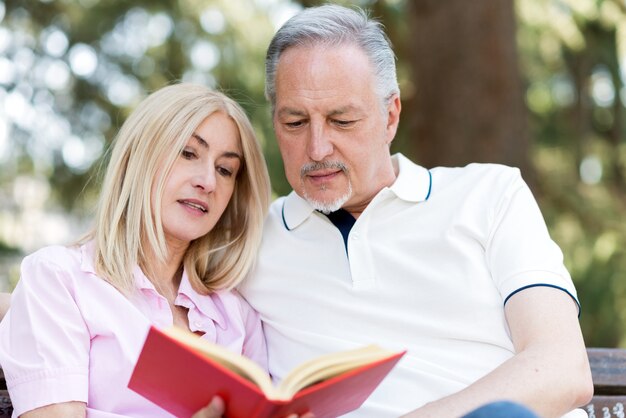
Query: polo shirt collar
{"points": [[295, 210], [413, 184]]}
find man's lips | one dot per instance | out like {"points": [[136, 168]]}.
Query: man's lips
{"points": [[321, 172], [324, 173]]}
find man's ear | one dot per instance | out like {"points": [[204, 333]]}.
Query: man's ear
{"points": [[394, 107]]}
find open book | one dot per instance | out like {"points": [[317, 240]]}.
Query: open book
{"points": [[181, 372]]}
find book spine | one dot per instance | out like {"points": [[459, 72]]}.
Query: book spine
{"points": [[264, 409]]}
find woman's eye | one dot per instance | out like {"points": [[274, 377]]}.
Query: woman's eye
{"points": [[224, 172], [187, 154]]}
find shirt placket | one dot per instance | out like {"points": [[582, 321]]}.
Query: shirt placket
{"points": [[359, 255]]}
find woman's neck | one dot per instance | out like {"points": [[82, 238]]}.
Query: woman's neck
{"points": [[166, 275]]}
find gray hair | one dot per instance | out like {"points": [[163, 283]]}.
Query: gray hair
{"points": [[333, 25]]}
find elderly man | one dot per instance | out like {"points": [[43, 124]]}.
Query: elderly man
{"points": [[453, 264]]}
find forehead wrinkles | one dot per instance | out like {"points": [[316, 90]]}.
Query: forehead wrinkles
{"points": [[304, 100], [299, 97], [317, 73], [331, 110]]}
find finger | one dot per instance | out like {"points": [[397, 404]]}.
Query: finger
{"points": [[215, 409]]}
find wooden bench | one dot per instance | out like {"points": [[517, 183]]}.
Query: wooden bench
{"points": [[608, 367], [6, 409]]}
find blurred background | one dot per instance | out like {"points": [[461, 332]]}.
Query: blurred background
{"points": [[538, 84]]}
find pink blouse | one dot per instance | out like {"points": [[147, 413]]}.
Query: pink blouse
{"points": [[71, 336]]}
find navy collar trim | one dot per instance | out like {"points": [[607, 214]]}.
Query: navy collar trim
{"points": [[413, 184]]}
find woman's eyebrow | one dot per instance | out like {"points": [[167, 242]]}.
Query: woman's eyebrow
{"points": [[201, 140], [227, 154], [231, 154]]}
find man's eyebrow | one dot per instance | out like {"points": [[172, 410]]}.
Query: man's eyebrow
{"points": [[343, 109], [287, 111]]}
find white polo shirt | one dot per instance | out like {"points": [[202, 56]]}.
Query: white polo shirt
{"points": [[428, 267]]}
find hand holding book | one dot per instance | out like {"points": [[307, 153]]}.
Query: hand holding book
{"points": [[217, 409], [183, 373]]}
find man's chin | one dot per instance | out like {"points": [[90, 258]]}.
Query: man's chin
{"points": [[327, 204]]}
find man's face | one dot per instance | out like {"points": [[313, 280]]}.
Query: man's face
{"points": [[332, 130]]}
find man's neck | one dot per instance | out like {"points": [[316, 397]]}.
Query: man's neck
{"points": [[356, 209]]}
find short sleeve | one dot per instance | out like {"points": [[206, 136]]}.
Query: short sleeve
{"points": [[44, 342], [520, 251]]}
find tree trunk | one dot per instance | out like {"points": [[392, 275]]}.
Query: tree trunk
{"points": [[468, 100]]}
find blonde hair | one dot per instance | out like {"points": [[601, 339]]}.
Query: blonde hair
{"points": [[126, 221]]}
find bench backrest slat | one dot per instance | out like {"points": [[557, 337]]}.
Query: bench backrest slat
{"points": [[608, 366]]}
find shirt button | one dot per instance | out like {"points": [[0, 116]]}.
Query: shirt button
{"points": [[198, 324], [355, 236]]}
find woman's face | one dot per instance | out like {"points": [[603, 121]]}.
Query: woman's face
{"points": [[202, 181]]}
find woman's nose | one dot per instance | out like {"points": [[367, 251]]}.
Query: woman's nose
{"points": [[205, 179]]}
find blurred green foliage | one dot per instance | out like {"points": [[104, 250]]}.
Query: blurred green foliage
{"points": [[573, 58]]}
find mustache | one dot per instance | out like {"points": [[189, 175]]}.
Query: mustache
{"points": [[321, 165]]}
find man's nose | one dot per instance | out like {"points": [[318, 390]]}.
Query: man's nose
{"points": [[319, 145]]}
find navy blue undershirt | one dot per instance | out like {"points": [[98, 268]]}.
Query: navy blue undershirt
{"points": [[344, 221]]}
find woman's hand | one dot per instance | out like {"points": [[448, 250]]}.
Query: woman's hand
{"points": [[216, 409]]}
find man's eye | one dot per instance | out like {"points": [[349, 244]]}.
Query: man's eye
{"points": [[344, 123], [295, 124]]}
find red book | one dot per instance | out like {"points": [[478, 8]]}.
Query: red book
{"points": [[181, 373]]}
